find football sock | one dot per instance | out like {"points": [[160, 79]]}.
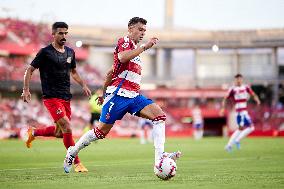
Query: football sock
{"points": [[195, 134], [244, 133], [233, 137], [87, 138], [68, 141], [200, 134], [159, 136], [47, 131]]}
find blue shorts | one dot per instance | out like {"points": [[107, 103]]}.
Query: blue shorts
{"points": [[198, 126], [115, 107], [243, 119]]}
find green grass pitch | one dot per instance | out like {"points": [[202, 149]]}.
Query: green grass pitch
{"points": [[124, 163]]}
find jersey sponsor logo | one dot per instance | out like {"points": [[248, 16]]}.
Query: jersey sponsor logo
{"points": [[125, 45], [69, 60], [58, 111]]}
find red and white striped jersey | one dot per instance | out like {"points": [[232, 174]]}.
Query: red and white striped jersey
{"points": [[240, 95], [129, 71]]}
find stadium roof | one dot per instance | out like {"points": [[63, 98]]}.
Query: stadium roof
{"points": [[261, 38]]}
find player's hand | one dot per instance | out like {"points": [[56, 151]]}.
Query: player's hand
{"points": [[222, 112], [153, 41], [258, 102], [100, 100], [26, 95], [87, 91]]}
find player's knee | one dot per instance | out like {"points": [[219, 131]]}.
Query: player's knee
{"points": [[58, 135], [100, 134], [159, 118], [65, 125], [241, 128]]}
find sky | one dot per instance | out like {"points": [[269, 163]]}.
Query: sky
{"points": [[194, 14]]}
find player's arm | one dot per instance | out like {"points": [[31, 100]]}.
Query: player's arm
{"points": [[127, 55], [26, 95], [224, 101], [75, 75], [107, 82], [223, 105], [254, 96], [256, 99]]}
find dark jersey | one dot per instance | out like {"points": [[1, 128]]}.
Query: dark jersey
{"points": [[54, 68]]}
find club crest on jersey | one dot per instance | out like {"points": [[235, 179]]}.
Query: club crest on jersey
{"points": [[58, 111], [125, 45], [107, 116], [69, 59]]}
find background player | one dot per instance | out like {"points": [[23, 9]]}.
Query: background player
{"points": [[197, 122], [240, 94], [121, 91], [55, 63], [146, 130]]}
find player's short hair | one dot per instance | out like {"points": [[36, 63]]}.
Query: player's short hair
{"points": [[136, 20], [238, 75], [59, 25]]}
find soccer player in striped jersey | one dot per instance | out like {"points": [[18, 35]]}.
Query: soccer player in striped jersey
{"points": [[240, 93], [121, 94]]}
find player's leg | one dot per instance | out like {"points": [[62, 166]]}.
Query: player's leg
{"points": [[195, 131], [150, 133], [68, 138], [142, 134], [49, 131], [32, 133], [236, 133], [249, 128], [111, 111], [200, 131], [58, 132], [232, 140], [153, 112]]}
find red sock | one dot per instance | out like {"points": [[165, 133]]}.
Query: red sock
{"points": [[68, 141], [47, 131]]}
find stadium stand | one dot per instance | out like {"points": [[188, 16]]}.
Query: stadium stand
{"points": [[20, 40]]}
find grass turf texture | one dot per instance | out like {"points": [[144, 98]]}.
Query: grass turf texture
{"points": [[124, 163]]}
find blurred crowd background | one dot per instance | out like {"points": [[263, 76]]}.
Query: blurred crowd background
{"points": [[189, 67]]}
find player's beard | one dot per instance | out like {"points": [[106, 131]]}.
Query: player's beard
{"points": [[61, 42]]}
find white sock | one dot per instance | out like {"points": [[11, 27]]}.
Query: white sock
{"points": [[200, 134], [244, 133], [142, 137], [233, 137], [84, 141], [159, 138], [195, 135]]}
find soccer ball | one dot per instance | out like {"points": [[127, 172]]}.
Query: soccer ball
{"points": [[165, 169]]}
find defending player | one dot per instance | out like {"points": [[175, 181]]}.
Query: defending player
{"points": [[55, 63]]}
